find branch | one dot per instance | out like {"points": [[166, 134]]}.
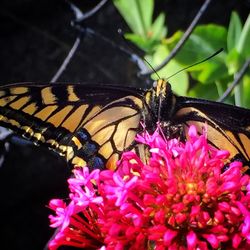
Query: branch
{"points": [[182, 41], [66, 60], [80, 16], [236, 81]]}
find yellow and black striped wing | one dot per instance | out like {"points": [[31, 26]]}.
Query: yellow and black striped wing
{"points": [[84, 123], [93, 125], [228, 126], [114, 128]]}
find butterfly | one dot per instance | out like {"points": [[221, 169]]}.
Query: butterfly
{"points": [[92, 125]]}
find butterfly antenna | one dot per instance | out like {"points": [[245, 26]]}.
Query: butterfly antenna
{"points": [[192, 65], [151, 67]]}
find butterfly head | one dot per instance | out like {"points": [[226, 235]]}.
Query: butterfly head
{"points": [[161, 87], [161, 100]]}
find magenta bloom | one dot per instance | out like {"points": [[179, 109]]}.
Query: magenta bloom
{"points": [[185, 197]]}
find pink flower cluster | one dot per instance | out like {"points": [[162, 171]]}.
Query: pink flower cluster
{"points": [[183, 198]]}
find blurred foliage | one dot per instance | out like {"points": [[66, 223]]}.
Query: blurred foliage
{"points": [[209, 79]]}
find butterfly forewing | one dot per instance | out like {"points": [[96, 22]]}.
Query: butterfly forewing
{"points": [[60, 115]]}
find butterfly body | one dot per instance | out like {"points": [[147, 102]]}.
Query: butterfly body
{"points": [[92, 125]]}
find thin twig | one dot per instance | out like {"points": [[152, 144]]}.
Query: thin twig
{"points": [[80, 16], [67, 60], [182, 41], [236, 81], [45, 34]]}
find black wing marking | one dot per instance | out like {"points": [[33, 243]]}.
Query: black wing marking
{"points": [[228, 126]]}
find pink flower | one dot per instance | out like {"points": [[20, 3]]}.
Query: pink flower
{"points": [[188, 196]]}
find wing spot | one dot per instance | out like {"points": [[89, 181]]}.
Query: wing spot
{"points": [[93, 112], [108, 116], [77, 161], [2, 93], [47, 96], [27, 129], [39, 137], [53, 143], [72, 97], [46, 112], [77, 142], [18, 104], [63, 148], [112, 161], [70, 153], [58, 118], [246, 142], [122, 137], [72, 122], [18, 90], [30, 109], [106, 150], [10, 121], [104, 135], [6, 100]]}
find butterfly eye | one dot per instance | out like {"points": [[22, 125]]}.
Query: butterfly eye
{"points": [[155, 84]]}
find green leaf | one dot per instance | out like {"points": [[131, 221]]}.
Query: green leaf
{"points": [[243, 45], [156, 33], [205, 40], [137, 14], [146, 8], [159, 31], [246, 91], [234, 61], [145, 44], [204, 92], [208, 72], [179, 82], [234, 30]]}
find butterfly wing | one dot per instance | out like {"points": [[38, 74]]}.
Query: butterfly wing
{"points": [[228, 126], [114, 128], [75, 120]]}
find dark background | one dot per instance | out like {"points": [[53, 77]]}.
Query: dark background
{"points": [[35, 38]]}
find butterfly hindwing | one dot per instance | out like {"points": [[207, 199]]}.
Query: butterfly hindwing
{"points": [[114, 127], [228, 127]]}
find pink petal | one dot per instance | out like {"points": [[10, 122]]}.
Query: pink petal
{"points": [[212, 239], [169, 236], [191, 240], [237, 239]]}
